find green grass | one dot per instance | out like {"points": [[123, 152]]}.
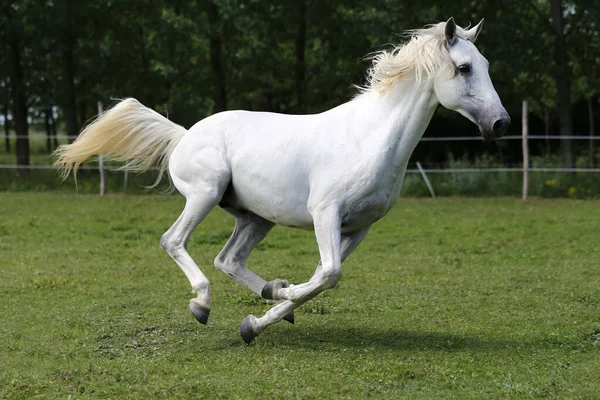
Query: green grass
{"points": [[448, 298]]}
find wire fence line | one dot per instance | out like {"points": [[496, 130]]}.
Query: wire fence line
{"points": [[525, 169], [423, 139], [410, 170]]}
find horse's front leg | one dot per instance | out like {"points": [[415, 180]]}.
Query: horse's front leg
{"points": [[296, 295], [328, 234]]}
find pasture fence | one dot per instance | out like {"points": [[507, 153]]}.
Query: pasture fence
{"points": [[526, 169]]}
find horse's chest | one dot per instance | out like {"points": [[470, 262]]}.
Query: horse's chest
{"points": [[371, 200], [364, 210]]}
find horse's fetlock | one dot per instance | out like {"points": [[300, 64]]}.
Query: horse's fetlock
{"points": [[201, 289]]}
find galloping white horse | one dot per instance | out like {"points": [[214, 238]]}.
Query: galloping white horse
{"points": [[336, 172]]}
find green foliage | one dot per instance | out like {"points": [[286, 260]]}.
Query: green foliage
{"points": [[160, 52], [446, 298]]}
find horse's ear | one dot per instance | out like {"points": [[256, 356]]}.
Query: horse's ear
{"points": [[450, 31], [474, 31]]}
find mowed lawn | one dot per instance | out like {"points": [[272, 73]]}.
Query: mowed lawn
{"points": [[446, 298]]}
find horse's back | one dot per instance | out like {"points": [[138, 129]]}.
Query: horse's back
{"points": [[266, 157]]}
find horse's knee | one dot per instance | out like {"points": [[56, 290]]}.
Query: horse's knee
{"points": [[168, 244]]}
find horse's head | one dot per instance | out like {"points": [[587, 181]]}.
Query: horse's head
{"points": [[469, 89]]}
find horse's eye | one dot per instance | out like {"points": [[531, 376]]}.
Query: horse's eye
{"points": [[464, 68]]}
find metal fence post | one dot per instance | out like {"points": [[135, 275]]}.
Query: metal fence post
{"points": [[101, 161], [525, 128]]}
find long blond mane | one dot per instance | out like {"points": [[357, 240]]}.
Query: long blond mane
{"points": [[421, 58]]}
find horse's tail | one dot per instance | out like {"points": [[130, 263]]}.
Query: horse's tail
{"points": [[127, 132]]}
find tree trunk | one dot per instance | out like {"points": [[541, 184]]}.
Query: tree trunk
{"points": [[82, 112], [216, 64], [18, 92], [68, 71], [300, 56], [562, 77], [591, 125], [6, 128], [147, 95]]}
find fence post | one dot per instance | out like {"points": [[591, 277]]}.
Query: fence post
{"points": [[525, 152], [422, 171], [125, 179], [101, 161], [591, 122]]}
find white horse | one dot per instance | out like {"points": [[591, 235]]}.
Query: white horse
{"points": [[336, 172]]}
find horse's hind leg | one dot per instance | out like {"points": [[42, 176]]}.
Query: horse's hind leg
{"points": [[174, 241], [249, 230]]}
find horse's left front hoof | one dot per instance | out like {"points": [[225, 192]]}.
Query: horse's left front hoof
{"points": [[200, 312], [247, 329]]}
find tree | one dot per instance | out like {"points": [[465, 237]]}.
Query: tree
{"points": [[300, 47], [216, 62], [68, 41], [562, 77], [4, 89], [585, 42], [193, 58], [14, 38]]}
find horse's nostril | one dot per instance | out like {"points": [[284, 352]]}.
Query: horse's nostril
{"points": [[500, 126]]}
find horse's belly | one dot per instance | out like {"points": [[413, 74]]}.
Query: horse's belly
{"points": [[280, 201]]}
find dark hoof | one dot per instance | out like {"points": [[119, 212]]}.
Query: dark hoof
{"points": [[246, 330], [289, 318], [270, 288], [201, 313]]}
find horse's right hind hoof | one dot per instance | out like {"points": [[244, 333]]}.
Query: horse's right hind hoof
{"points": [[247, 329], [200, 312], [269, 291]]}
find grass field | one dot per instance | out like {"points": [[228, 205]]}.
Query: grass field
{"points": [[447, 298]]}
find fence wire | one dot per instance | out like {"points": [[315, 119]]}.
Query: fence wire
{"points": [[410, 170]]}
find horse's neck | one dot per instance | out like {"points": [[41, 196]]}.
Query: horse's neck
{"points": [[399, 118]]}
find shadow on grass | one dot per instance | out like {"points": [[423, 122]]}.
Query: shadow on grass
{"points": [[340, 337]]}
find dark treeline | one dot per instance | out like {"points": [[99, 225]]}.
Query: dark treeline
{"points": [[192, 58]]}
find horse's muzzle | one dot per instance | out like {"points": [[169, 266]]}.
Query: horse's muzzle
{"points": [[498, 128]]}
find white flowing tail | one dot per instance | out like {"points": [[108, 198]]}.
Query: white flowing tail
{"points": [[127, 132]]}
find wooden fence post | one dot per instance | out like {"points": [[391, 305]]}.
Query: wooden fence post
{"points": [[101, 161], [525, 153], [422, 171], [125, 179]]}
